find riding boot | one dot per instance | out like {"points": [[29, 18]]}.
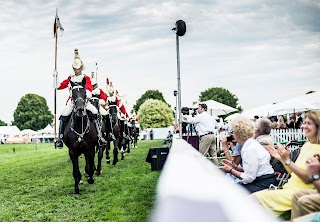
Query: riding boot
{"points": [[101, 139], [59, 142]]}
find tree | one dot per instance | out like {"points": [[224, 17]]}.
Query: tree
{"points": [[220, 95], [150, 94], [2, 123], [32, 112], [155, 114]]}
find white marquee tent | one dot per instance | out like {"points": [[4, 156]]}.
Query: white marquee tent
{"points": [[215, 108]]}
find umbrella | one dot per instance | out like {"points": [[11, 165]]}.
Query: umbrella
{"points": [[231, 117], [215, 108], [263, 110], [293, 105]]}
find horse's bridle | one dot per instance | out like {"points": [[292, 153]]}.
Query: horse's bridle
{"points": [[77, 99], [113, 120], [87, 129]]}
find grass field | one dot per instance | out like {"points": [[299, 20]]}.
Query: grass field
{"points": [[36, 184]]}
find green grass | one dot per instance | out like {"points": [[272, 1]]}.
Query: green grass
{"points": [[37, 185]]}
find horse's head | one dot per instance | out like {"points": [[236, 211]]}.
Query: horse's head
{"points": [[94, 100], [113, 111], [79, 97]]}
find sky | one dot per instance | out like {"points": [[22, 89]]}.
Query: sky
{"points": [[262, 51]]}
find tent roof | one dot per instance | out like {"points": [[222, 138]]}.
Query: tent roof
{"points": [[47, 129], [10, 130], [215, 108]]}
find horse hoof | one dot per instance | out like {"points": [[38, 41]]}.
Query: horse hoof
{"points": [[76, 192], [98, 173], [90, 180], [80, 182], [108, 161]]}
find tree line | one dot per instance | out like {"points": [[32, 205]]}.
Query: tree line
{"points": [[32, 111]]}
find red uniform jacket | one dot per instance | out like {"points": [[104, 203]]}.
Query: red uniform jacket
{"points": [[65, 83]]}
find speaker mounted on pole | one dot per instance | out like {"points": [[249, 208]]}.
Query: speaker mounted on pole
{"points": [[180, 28]]}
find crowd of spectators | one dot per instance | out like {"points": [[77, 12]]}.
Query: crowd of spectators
{"points": [[247, 163]]}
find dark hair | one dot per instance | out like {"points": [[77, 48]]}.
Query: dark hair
{"points": [[204, 106]]}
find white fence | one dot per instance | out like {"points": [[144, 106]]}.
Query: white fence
{"points": [[278, 135]]}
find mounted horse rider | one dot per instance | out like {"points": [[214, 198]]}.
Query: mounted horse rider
{"points": [[98, 92], [66, 113], [135, 126]]}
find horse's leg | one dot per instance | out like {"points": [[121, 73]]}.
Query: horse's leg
{"points": [[115, 151], [107, 153], [127, 145], [89, 169], [100, 156], [122, 148], [76, 173], [135, 141]]}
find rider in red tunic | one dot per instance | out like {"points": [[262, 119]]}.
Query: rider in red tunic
{"points": [[76, 77]]}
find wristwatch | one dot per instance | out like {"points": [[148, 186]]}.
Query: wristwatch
{"points": [[315, 177], [288, 162]]}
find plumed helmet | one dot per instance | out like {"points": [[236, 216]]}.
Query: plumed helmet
{"points": [[111, 90], [77, 62]]}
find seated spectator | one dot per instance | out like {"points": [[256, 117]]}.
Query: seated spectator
{"points": [[299, 120], [256, 173], [280, 200], [281, 123], [262, 132], [291, 122], [168, 139], [305, 202], [274, 123], [262, 135]]}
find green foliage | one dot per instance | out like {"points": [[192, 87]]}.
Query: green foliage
{"points": [[150, 94], [37, 185], [155, 114], [2, 123], [220, 95], [32, 112]]}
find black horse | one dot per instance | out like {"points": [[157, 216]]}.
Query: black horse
{"points": [[94, 100], [134, 133], [114, 126], [80, 135], [124, 138]]}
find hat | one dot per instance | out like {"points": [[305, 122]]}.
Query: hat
{"points": [[77, 62], [111, 89]]}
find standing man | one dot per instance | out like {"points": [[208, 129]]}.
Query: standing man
{"points": [[205, 124]]}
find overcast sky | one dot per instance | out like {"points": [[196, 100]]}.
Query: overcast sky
{"points": [[263, 51]]}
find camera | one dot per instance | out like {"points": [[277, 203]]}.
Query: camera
{"points": [[186, 111], [230, 138]]}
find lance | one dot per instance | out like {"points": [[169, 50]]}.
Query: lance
{"points": [[97, 72], [57, 25]]}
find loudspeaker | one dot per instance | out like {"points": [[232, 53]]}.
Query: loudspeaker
{"points": [[180, 27], [157, 157]]}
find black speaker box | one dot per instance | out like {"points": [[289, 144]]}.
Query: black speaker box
{"points": [[157, 157]]}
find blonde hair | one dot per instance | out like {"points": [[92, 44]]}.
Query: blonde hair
{"points": [[314, 116], [243, 127]]}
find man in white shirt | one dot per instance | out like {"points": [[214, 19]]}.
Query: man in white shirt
{"points": [[205, 125]]}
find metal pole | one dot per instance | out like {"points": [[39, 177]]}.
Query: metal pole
{"points": [[179, 88], [55, 85], [176, 119]]}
